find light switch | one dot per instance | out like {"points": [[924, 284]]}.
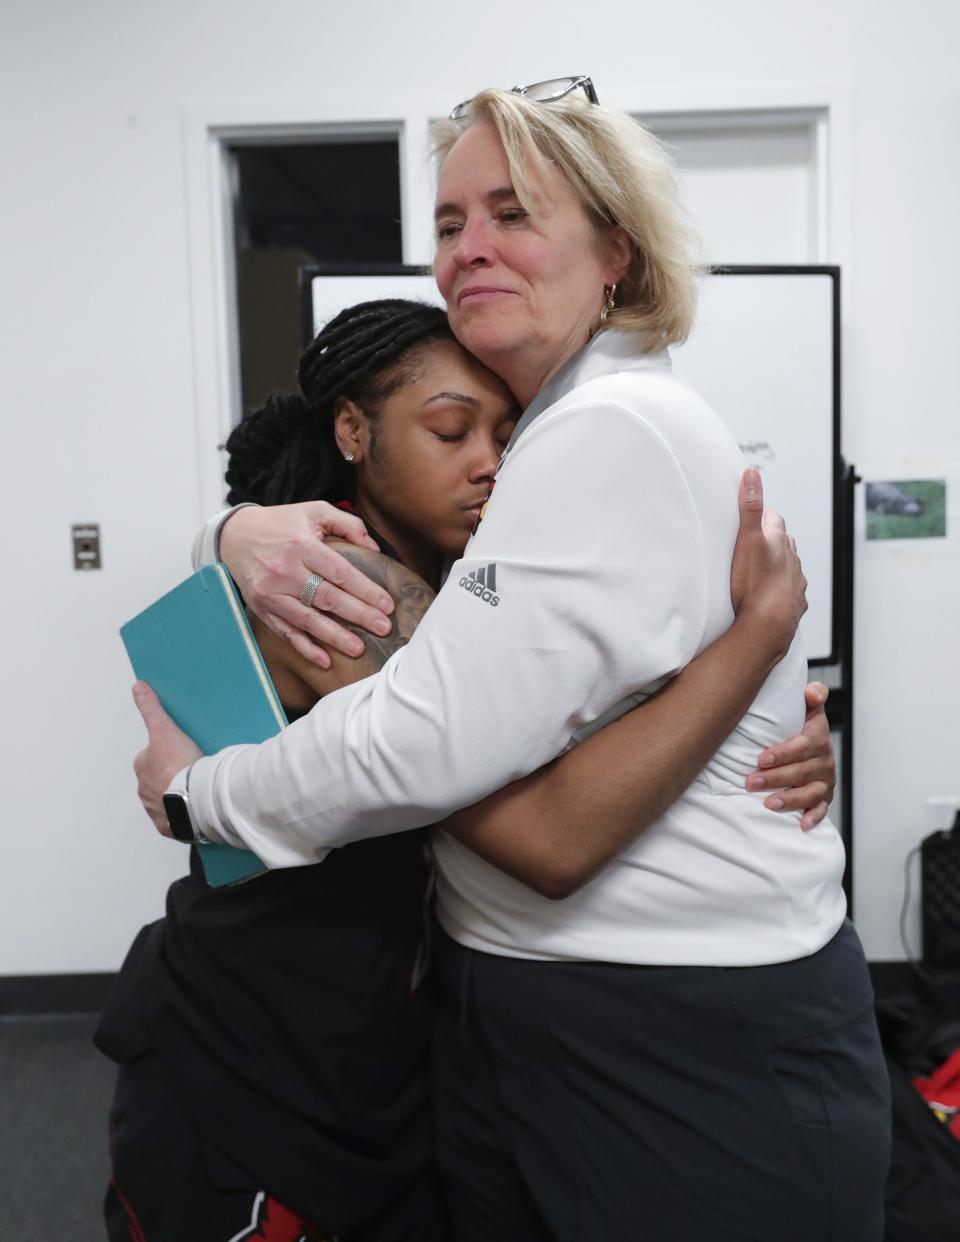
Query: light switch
{"points": [[86, 546]]}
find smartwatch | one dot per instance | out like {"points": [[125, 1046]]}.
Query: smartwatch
{"points": [[177, 807], [176, 804]]}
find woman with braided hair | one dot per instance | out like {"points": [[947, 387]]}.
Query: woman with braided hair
{"points": [[272, 1036]]}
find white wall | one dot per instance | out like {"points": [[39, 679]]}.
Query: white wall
{"points": [[99, 410]]}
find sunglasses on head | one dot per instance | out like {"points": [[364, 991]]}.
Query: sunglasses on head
{"points": [[542, 92]]}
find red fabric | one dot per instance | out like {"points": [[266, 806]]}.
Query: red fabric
{"points": [[275, 1223], [136, 1231], [942, 1092]]}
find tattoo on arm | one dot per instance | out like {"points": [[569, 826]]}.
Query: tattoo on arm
{"points": [[411, 596]]}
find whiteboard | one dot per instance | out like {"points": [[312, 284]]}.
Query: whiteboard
{"points": [[763, 353], [328, 294]]}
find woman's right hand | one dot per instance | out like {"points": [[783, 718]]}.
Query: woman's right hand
{"points": [[272, 551], [766, 578]]}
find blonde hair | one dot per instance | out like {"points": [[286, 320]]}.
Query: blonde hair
{"points": [[623, 176]]}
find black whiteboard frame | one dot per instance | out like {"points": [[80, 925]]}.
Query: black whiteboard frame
{"points": [[309, 272], [837, 503]]}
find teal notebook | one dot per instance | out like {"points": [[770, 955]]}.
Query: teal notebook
{"points": [[195, 647]]}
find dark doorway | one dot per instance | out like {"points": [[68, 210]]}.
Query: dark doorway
{"points": [[298, 203]]}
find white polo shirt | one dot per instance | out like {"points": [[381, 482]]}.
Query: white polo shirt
{"points": [[601, 568]]}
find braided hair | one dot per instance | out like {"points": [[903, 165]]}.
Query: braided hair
{"points": [[286, 450]]}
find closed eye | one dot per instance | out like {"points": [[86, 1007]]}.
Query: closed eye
{"points": [[450, 439]]}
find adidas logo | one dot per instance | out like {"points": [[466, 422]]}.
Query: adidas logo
{"points": [[483, 584]]}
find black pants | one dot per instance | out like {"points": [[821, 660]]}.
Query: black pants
{"points": [[588, 1102], [170, 1185]]}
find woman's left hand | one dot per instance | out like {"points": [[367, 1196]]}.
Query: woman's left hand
{"points": [[767, 585], [168, 751], [803, 769]]}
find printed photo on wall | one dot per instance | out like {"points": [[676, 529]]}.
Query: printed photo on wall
{"points": [[906, 509]]}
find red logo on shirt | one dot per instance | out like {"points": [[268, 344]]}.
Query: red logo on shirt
{"points": [[273, 1222]]}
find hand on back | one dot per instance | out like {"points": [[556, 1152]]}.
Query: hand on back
{"points": [[272, 552], [767, 584]]}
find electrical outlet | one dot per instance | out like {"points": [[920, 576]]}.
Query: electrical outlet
{"points": [[939, 813]]}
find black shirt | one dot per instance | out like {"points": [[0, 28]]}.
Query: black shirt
{"points": [[290, 1018]]}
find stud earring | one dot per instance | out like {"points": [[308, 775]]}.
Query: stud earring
{"points": [[348, 457], [608, 292]]}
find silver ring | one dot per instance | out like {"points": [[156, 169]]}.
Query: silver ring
{"points": [[310, 588]]}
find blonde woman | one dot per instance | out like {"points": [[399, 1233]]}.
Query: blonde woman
{"points": [[682, 1046]]}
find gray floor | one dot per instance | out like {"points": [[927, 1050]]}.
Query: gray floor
{"points": [[55, 1091]]}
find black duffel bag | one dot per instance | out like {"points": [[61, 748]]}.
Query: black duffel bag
{"points": [[920, 1029]]}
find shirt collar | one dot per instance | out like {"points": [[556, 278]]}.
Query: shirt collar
{"points": [[607, 351]]}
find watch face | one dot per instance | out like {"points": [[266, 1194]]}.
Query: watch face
{"points": [[178, 816]]}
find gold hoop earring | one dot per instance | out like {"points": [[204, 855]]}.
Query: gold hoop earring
{"points": [[608, 292]]}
